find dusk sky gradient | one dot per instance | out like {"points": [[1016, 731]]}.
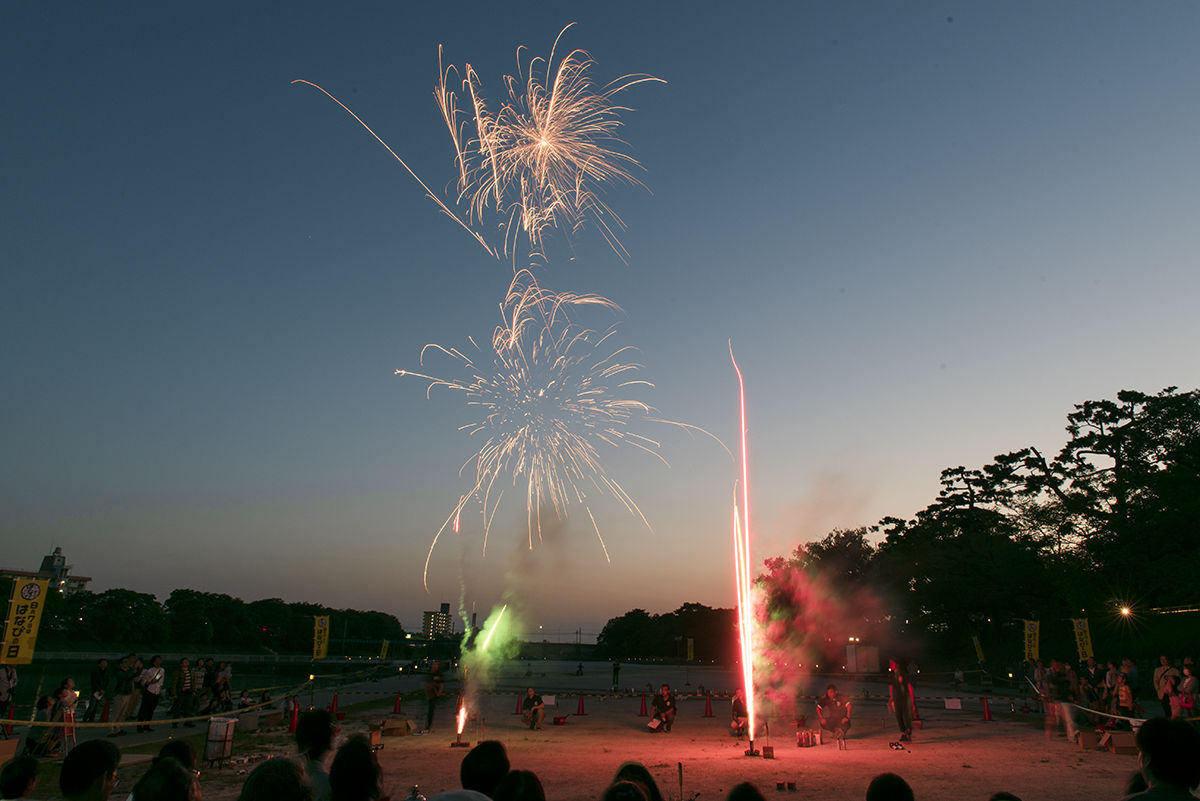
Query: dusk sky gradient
{"points": [[928, 228]]}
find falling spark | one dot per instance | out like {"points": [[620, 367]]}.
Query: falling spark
{"points": [[553, 397], [541, 159], [741, 558], [492, 630]]}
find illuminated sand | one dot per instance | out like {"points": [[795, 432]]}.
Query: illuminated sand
{"points": [[955, 756]]}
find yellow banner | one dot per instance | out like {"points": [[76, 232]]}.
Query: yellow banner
{"points": [[383, 649], [320, 637], [1031, 640], [1083, 637], [24, 615], [978, 647]]}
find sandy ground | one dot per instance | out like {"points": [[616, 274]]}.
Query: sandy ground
{"points": [[956, 755]]}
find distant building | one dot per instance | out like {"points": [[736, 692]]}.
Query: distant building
{"points": [[55, 570], [437, 625]]}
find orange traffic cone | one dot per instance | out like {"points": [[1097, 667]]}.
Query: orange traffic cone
{"points": [[580, 710], [987, 710], [104, 712], [396, 706], [708, 713], [518, 710], [643, 713], [333, 705], [295, 704]]}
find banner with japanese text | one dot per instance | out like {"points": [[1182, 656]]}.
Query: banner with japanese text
{"points": [[1031, 640], [1083, 637], [24, 616], [320, 637]]}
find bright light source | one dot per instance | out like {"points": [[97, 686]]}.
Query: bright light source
{"points": [[1126, 611]]}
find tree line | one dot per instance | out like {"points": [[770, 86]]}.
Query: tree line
{"points": [[203, 620], [1111, 520]]}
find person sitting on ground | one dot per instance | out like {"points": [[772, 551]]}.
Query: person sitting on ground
{"points": [[889, 787], [744, 792], [740, 721], [1169, 758], [18, 778], [833, 710], [354, 774], [664, 708], [277, 779], [167, 780], [533, 709], [483, 767], [89, 771], [314, 739], [519, 785], [636, 772], [245, 701]]}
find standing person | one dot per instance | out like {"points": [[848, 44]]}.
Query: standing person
{"points": [[901, 699], [182, 693], [98, 687], [1164, 671], [1124, 701], [1110, 686], [616, 673], [739, 722], [664, 708], [1189, 687], [533, 709], [8, 683], [435, 688], [123, 695], [152, 684]]}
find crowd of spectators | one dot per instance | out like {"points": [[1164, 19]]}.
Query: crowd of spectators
{"points": [[1169, 767], [1113, 693]]}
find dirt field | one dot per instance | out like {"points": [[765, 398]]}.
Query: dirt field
{"points": [[956, 755]]}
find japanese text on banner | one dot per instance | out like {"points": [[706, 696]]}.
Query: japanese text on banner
{"points": [[24, 615]]}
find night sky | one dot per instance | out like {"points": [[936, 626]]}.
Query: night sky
{"points": [[929, 229]]}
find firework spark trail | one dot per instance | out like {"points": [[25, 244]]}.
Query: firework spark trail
{"points": [[541, 159], [552, 398], [492, 630], [741, 557]]}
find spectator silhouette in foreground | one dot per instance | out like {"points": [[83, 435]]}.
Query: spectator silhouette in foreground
{"points": [[744, 792], [483, 767], [314, 739], [167, 780], [355, 774], [519, 785], [624, 791], [18, 778], [636, 772], [1169, 758], [89, 771], [889, 787], [277, 779]]}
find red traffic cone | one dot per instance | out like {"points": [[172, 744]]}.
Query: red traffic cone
{"points": [[333, 705], [987, 710], [396, 706], [643, 713], [104, 712], [708, 713], [518, 709], [580, 710], [295, 704]]}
